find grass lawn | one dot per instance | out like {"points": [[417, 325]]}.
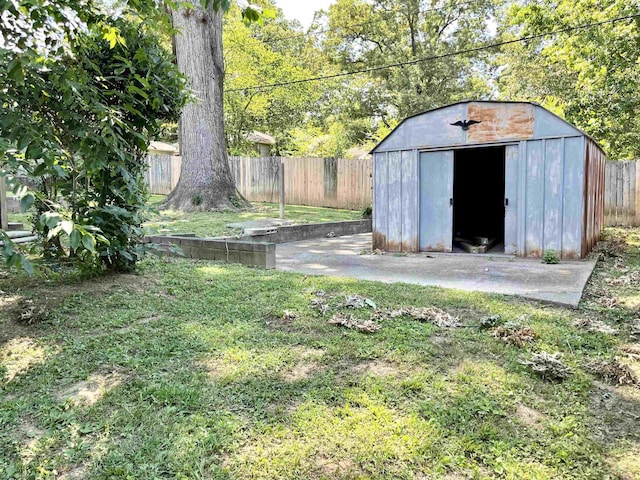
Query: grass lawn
{"points": [[211, 224], [203, 370]]}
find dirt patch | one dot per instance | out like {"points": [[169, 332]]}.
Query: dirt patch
{"points": [[378, 368], [616, 412], [28, 434], [530, 417], [90, 391], [76, 473], [142, 321], [307, 365], [18, 355], [334, 467]]}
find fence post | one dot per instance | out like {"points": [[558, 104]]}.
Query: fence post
{"points": [[4, 216], [281, 178], [637, 192]]}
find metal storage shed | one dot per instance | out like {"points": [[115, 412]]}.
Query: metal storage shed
{"points": [[509, 171]]}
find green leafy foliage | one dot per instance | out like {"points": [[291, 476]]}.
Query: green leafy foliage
{"points": [[76, 121], [550, 257], [590, 76]]}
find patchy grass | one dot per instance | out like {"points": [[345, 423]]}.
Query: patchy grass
{"points": [[210, 224], [203, 370], [24, 218]]}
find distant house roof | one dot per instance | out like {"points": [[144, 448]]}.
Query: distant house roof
{"points": [[259, 137], [164, 148], [358, 153]]}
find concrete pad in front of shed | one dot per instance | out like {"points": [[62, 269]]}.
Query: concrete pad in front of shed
{"points": [[529, 278]]}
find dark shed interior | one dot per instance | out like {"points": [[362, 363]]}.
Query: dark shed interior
{"points": [[478, 196]]}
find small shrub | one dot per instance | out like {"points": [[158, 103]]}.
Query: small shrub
{"points": [[491, 321], [550, 257], [197, 199], [367, 211]]}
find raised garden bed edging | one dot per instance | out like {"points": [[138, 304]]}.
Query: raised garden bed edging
{"points": [[307, 231], [255, 250], [255, 254]]}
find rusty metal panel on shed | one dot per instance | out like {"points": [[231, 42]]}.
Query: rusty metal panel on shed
{"points": [[500, 122]]}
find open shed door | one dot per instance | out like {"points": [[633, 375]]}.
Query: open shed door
{"points": [[436, 201], [511, 177]]}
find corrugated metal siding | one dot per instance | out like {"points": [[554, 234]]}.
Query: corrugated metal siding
{"points": [[553, 192], [555, 184], [573, 173], [511, 179], [436, 211], [395, 201], [594, 179]]}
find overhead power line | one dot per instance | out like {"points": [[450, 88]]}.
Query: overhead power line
{"points": [[362, 24], [434, 57]]}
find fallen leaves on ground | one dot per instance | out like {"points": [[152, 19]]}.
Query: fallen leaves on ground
{"points": [[594, 326], [433, 315], [514, 334], [356, 301], [351, 322], [614, 371], [289, 316], [631, 278], [548, 365], [31, 313]]}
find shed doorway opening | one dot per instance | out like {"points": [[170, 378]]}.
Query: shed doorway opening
{"points": [[478, 200]]}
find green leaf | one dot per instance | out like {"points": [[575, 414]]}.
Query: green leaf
{"points": [[67, 226], [16, 71], [89, 243], [75, 239], [26, 202]]}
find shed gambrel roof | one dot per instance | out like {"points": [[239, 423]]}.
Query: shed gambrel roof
{"points": [[499, 121]]}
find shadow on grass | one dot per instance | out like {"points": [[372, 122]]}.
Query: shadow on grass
{"points": [[213, 383]]}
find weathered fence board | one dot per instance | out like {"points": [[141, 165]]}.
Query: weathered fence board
{"points": [[163, 173], [340, 183], [319, 182], [622, 193]]}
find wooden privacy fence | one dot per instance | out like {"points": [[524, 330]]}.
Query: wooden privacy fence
{"points": [[163, 173], [318, 182], [622, 193], [339, 183]]}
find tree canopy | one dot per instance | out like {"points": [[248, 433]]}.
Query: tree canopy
{"points": [[588, 75]]}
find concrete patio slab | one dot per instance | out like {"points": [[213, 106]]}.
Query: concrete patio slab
{"points": [[341, 257]]}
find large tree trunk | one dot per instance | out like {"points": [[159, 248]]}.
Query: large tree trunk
{"points": [[205, 180]]}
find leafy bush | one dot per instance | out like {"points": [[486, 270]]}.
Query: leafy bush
{"points": [[367, 212], [76, 121], [550, 257]]}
